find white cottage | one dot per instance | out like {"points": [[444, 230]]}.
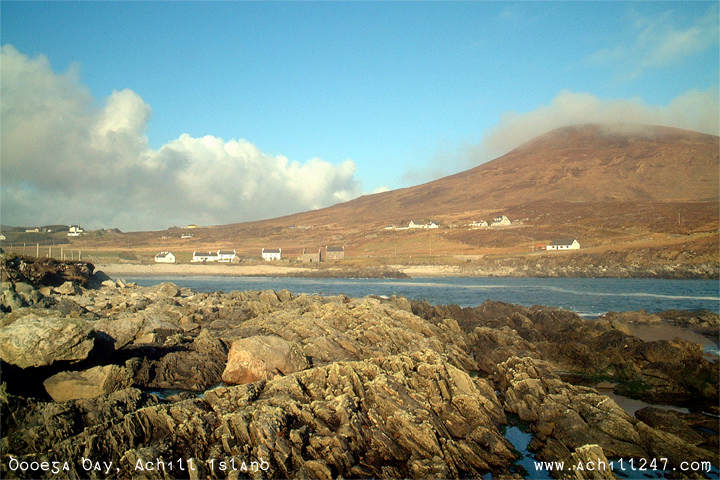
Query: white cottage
{"points": [[75, 231], [564, 244], [269, 254], [226, 256], [165, 257], [203, 257]]}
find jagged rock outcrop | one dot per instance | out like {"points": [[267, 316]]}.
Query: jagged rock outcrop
{"points": [[666, 371], [565, 417], [369, 387], [401, 416]]}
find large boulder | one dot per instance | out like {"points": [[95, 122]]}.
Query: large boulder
{"points": [[262, 357], [36, 341], [89, 383]]}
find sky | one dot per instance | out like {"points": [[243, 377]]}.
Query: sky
{"points": [[146, 115]]}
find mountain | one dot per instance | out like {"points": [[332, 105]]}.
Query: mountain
{"points": [[588, 164]]}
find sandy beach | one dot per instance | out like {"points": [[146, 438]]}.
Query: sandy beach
{"points": [[204, 269], [234, 270]]}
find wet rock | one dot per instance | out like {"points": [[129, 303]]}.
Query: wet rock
{"points": [[89, 383], [670, 422], [703, 322], [639, 317], [34, 341], [566, 417], [262, 357]]}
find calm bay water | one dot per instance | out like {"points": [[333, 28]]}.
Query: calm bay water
{"points": [[588, 297]]}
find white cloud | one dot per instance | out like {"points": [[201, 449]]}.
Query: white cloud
{"points": [[693, 110], [64, 160], [660, 42]]}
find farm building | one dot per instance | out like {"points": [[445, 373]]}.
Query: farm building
{"points": [[269, 254], [310, 256], [500, 221], [165, 257], [564, 244], [204, 257], [334, 253]]}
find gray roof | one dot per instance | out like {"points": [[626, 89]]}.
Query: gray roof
{"points": [[226, 252], [335, 249], [564, 241], [271, 250], [203, 254]]}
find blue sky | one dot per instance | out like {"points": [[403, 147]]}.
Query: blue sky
{"points": [[405, 91]]}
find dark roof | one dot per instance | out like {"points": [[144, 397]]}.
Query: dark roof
{"points": [[271, 250], [203, 254], [226, 252], [162, 254], [335, 249], [564, 241]]}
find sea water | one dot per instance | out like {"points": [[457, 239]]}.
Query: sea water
{"points": [[588, 297]]}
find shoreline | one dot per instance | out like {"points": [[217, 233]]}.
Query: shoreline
{"points": [[389, 271]]}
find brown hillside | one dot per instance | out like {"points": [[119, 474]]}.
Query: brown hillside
{"points": [[587, 164]]}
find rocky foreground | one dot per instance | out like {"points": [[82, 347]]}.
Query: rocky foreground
{"points": [[104, 379]]}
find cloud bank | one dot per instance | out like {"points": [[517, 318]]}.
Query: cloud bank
{"points": [[66, 160], [693, 110]]}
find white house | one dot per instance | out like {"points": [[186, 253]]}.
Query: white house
{"points": [[226, 256], [480, 224], [75, 231], [2, 237], [165, 257], [204, 257], [429, 224], [500, 221], [269, 254], [564, 244]]}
